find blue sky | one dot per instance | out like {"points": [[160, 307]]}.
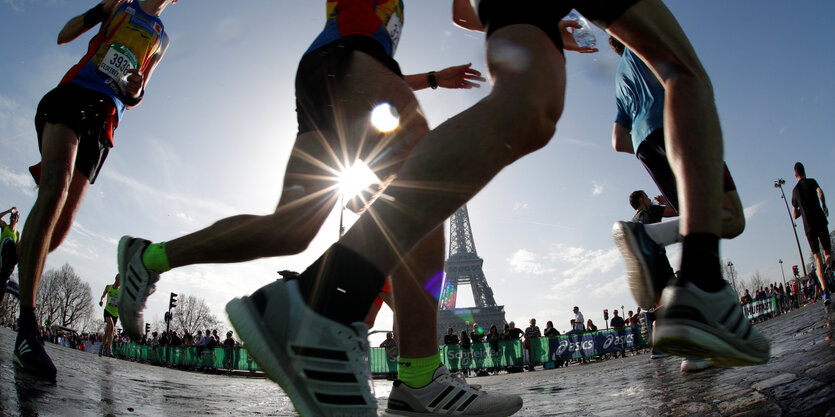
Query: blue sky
{"points": [[213, 135]]}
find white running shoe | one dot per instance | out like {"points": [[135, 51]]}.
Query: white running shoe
{"points": [[698, 324], [138, 283], [449, 394], [694, 364], [320, 364]]}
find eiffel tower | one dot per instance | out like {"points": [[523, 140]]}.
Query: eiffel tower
{"points": [[464, 267]]}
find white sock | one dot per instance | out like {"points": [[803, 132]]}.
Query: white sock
{"points": [[664, 233]]}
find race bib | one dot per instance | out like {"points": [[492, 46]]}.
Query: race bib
{"points": [[394, 28], [113, 302], [116, 63]]}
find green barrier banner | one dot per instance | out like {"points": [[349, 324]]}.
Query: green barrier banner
{"points": [[384, 361], [759, 308], [217, 358]]}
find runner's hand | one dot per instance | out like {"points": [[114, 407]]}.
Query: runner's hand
{"points": [[134, 84], [101, 303], [461, 76], [568, 42]]}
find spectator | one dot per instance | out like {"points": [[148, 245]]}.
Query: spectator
{"points": [[532, 332], [187, 338], [747, 297], [175, 340], [477, 335], [630, 319], [466, 355], [515, 333], [578, 320], [493, 337], [550, 331], [198, 339], [617, 322], [229, 359], [506, 332], [450, 338], [590, 327]]}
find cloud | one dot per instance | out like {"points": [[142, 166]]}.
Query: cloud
{"points": [[597, 188], [613, 288], [752, 210], [152, 194], [520, 206], [525, 262], [21, 182], [581, 266]]}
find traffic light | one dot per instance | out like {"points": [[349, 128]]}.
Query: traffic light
{"points": [[794, 269], [172, 302], [147, 328], [606, 314], [167, 316]]}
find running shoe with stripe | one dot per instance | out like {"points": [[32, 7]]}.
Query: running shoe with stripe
{"points": [[698, 324], [138, 283], [449, 395], [30, 354], [322, 365], [640, 253]]}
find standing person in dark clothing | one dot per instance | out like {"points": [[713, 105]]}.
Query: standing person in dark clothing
{"points": [[450, 338], [805, 201]]}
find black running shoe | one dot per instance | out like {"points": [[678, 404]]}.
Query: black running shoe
{"points": [[30, 355]]}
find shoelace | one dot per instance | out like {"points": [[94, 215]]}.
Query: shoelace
{"points": [[458, 379]]}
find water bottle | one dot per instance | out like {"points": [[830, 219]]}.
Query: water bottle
{"points": [[583, 35]]}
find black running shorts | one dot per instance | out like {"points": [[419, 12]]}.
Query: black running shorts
{"points": [[90, 114], [653, 155], [818, 236], [318, 74]]}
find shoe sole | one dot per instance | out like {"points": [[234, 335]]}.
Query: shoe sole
{"points": [[124, 299], [637, 271], [264, 349], [683, 339]]}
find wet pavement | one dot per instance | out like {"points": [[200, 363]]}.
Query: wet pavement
{"points": [[799, 380]]}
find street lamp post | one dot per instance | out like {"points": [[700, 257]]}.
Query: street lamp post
{"points": [[731, 273], [779, 184], [780, 261]]}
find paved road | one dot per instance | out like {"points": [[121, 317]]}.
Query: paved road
{"points": [[799, 380]]}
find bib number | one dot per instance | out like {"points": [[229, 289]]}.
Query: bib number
{"points": [[116, 64], [394, 28]]}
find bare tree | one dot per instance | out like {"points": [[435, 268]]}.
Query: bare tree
{"points": [[192, 313], [757, 281], [63, 298]]}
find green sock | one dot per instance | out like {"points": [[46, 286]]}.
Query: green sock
{"points": [[418, 373], [155, 258]]}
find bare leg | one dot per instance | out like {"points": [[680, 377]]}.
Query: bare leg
{"points": [[416, 303], [458, 158], [819, 264], [78, 188], [108, 335], [58, 156], [693, 137]]}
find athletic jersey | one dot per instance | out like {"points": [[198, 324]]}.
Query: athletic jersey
{"points": [[112, 305], [381, 20], [127, 41], [640, 98], [9, 233], [805, 199]]}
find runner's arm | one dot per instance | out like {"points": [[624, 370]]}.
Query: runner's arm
{"points": [[101, 301], [465, 17], [621, 140], [460, 76], [823, 202], [76, 26], [137, 79]]}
